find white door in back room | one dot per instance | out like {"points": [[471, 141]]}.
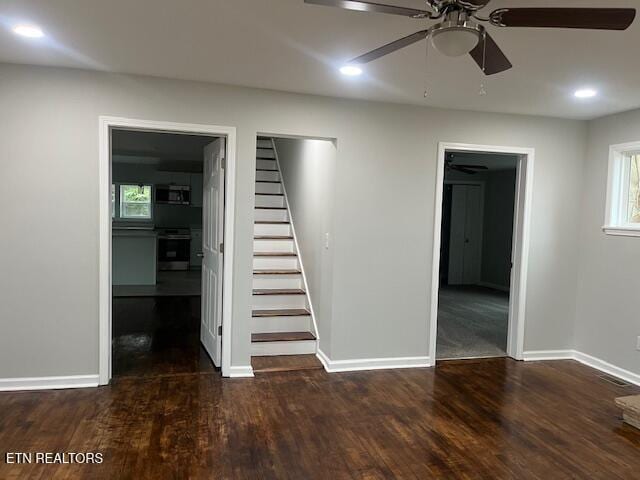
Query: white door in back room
{"points": [[212, 238], [466, 235]]}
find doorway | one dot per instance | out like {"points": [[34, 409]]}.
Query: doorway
{"points": [[165, 290], [480, 251]]}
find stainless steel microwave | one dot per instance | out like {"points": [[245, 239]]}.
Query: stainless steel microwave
{"points": [[173, 194]]}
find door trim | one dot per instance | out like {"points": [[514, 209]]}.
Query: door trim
{"points": [[521, 240], [106, 124]]}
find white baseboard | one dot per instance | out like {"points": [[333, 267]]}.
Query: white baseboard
{"points": [[48, 383], [360, 364], [585, 359], [495, 286], [608, 368], [539, 355], [242, 371]]}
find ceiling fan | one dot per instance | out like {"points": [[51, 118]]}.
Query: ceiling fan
{"points": [[459, 31], [468, 169]]}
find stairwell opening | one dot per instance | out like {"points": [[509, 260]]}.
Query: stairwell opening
{"points": [[292, 267]]}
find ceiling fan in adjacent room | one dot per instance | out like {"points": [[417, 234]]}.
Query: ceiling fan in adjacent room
{"points": [[468, 169], [459, 30]]}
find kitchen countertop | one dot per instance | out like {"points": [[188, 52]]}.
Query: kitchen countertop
{"points": [[134, 232]]}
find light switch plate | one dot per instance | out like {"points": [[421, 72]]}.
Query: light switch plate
{"points": [[638, 344]]}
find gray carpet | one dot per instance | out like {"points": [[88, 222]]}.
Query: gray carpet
{"points": [[472, 322]]}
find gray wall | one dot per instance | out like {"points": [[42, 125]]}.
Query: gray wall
{"points": [[308, 173], [608, 317], [383, 224], [498, 227]]}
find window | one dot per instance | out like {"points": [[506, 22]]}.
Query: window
{"points": [[623, 191], [135, 201]]}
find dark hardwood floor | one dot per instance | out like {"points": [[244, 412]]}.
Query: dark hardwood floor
{"points": [[157, 336], [479, 419]]}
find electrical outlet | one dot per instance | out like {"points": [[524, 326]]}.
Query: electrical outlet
{"points": [[326, 246]]}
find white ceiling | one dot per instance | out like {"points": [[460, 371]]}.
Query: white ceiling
{"points": [[287, 45]]}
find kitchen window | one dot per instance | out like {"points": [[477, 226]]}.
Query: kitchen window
{"points": [[135, 202], [623, 191]]}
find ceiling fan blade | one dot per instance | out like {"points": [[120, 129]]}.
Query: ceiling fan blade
{"points": [[391, 47], [463, 170], [589, 18], [474, 167], [361, 6], [490, 58]]}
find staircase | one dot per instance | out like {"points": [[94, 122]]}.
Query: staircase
{"points": [[281, 322]]}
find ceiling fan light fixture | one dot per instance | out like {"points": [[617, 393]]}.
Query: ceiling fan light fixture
{"points": [[585, 93], [351, 70], [455, 41]]}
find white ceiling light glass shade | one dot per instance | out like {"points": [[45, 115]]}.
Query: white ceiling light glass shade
{"points": [[351, 70], [586, 93], [455, 41], [29, 31]]}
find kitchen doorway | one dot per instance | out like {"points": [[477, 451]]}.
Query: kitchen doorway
{"points": [[163, 227]]}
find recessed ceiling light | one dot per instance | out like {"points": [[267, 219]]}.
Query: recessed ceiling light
{"points": [[586, 93], [351, 70], [30, 31]]}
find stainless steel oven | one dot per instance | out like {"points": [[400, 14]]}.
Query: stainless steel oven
{"points": [[174, 248]]}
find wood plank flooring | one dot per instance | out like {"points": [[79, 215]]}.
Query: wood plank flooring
{"points": [[490, 419], [157, 336], [285, 363]]}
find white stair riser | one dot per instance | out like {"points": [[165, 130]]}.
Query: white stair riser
{"points": [[265, 153], [280, 324], [275, 263], [263, 144], [270, 215], [282, 230], [299, 347], [277, 281], [266, 164], [266, 302], [269, 201], [272, 175], [273, 246], [262, 187]]}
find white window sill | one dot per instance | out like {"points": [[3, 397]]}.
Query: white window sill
{"points": [[622, 231]]}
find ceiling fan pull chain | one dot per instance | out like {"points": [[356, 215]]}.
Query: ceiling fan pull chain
{"points": [[426, 71], [482, 92]]}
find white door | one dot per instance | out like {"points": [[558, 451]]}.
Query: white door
{"points": [[465, 242], [212, 249]]}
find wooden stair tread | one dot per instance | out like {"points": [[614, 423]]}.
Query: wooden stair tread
{"points": [[271, 208], [277, 272], [265, 158], [268, 181], [275, 222], [275, 254], [266, 169], [283, 312], [273, 237], [278, 291], [282, 337], [285, 363]]}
